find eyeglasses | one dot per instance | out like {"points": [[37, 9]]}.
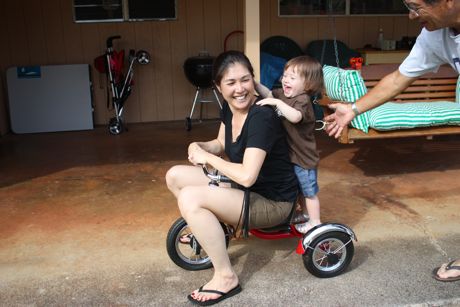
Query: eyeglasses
{"points": [[411, 9]]}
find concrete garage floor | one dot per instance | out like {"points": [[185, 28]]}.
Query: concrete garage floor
{"points": [[84, 217]]}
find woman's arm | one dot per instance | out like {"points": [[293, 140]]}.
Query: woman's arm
{"points": [[245, 173], [242, 173], [215, 147]]}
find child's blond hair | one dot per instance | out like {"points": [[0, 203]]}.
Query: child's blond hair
{"points": [[311, 70]]}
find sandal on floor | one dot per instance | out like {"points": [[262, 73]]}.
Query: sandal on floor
{"points": [[449, 267], [186, 239], [210, 302]]}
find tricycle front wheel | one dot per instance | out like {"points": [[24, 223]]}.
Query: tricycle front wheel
{"points": [[185, 251]]}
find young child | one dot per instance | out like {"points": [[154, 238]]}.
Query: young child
{"points": [[302, 78]]}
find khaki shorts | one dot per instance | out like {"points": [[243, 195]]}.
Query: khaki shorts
{"points": [[265, 213]]}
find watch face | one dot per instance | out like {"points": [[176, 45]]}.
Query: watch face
{"points": [[355, 109]]}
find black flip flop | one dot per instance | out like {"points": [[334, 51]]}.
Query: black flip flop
{"points": [[449, 266], [222, 296]]}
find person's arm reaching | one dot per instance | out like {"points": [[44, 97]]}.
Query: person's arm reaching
{"points": [[263, 91], [288, 112], [389, 87], [291, 114]]}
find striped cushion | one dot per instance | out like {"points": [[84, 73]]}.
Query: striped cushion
{"points": [[393, 115], [343, 85], [348, 86]]}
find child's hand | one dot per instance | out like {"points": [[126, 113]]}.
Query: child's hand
{"points": [[268, 101]]}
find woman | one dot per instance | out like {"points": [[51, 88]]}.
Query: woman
{"points": [[253, 139]]}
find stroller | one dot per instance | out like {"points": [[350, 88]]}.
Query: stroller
{"points": [[120, 85]]}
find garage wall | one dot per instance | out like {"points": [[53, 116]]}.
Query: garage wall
{"points": [[42, 32], [355, 31]]}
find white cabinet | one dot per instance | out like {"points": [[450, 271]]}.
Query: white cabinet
{"points": [[50, 98]]}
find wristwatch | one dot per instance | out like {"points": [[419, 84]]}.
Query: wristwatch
{"points": [[355, 109]]}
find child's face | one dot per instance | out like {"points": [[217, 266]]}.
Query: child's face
{"points": [[293, 83]]}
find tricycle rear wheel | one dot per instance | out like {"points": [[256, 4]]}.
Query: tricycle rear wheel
{"points": [[329, 254]]}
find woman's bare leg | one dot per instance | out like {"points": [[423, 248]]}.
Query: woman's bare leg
{"points": [[180, 176], [203, 207]]}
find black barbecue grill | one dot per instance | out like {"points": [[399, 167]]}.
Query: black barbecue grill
{"points": [[198, 70]]}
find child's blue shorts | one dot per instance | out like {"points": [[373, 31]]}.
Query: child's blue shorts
{"points": [[308, 180]]}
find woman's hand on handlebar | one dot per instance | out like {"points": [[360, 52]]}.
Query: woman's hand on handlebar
{"points": [[196, 155], [192, 147]]}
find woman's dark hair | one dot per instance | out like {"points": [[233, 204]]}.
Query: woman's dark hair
{"points": [[226, 59]]}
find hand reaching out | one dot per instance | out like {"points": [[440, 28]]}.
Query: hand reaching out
{"points": [[342, 116], [268, 101]]}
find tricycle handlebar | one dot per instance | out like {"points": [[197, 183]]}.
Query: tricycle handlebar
{"points": [[214, 176]]}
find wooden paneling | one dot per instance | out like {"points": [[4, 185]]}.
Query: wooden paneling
{"points": [[72, 34], [16, 38], [54, 34], [163, 78], [147, 102], [181, 88], [213, 42], [42, 32], [4, 123], [4, 60], [231, 19], [400, 27], [356, 38], [264, 20], [355, 31], [93, 46], [277, 26], [37, 48]]}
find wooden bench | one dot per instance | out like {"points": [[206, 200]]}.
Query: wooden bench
{"points": [[440, 86]]}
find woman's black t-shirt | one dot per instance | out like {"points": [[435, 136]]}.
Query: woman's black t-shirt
{"points": [[263, 129]]}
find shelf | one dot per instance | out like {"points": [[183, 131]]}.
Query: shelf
{"points": [[383, 56]]}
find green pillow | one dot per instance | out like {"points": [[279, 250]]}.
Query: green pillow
{"points": [[346, 85], [343, 85], [394, 115], [361, 122]]}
